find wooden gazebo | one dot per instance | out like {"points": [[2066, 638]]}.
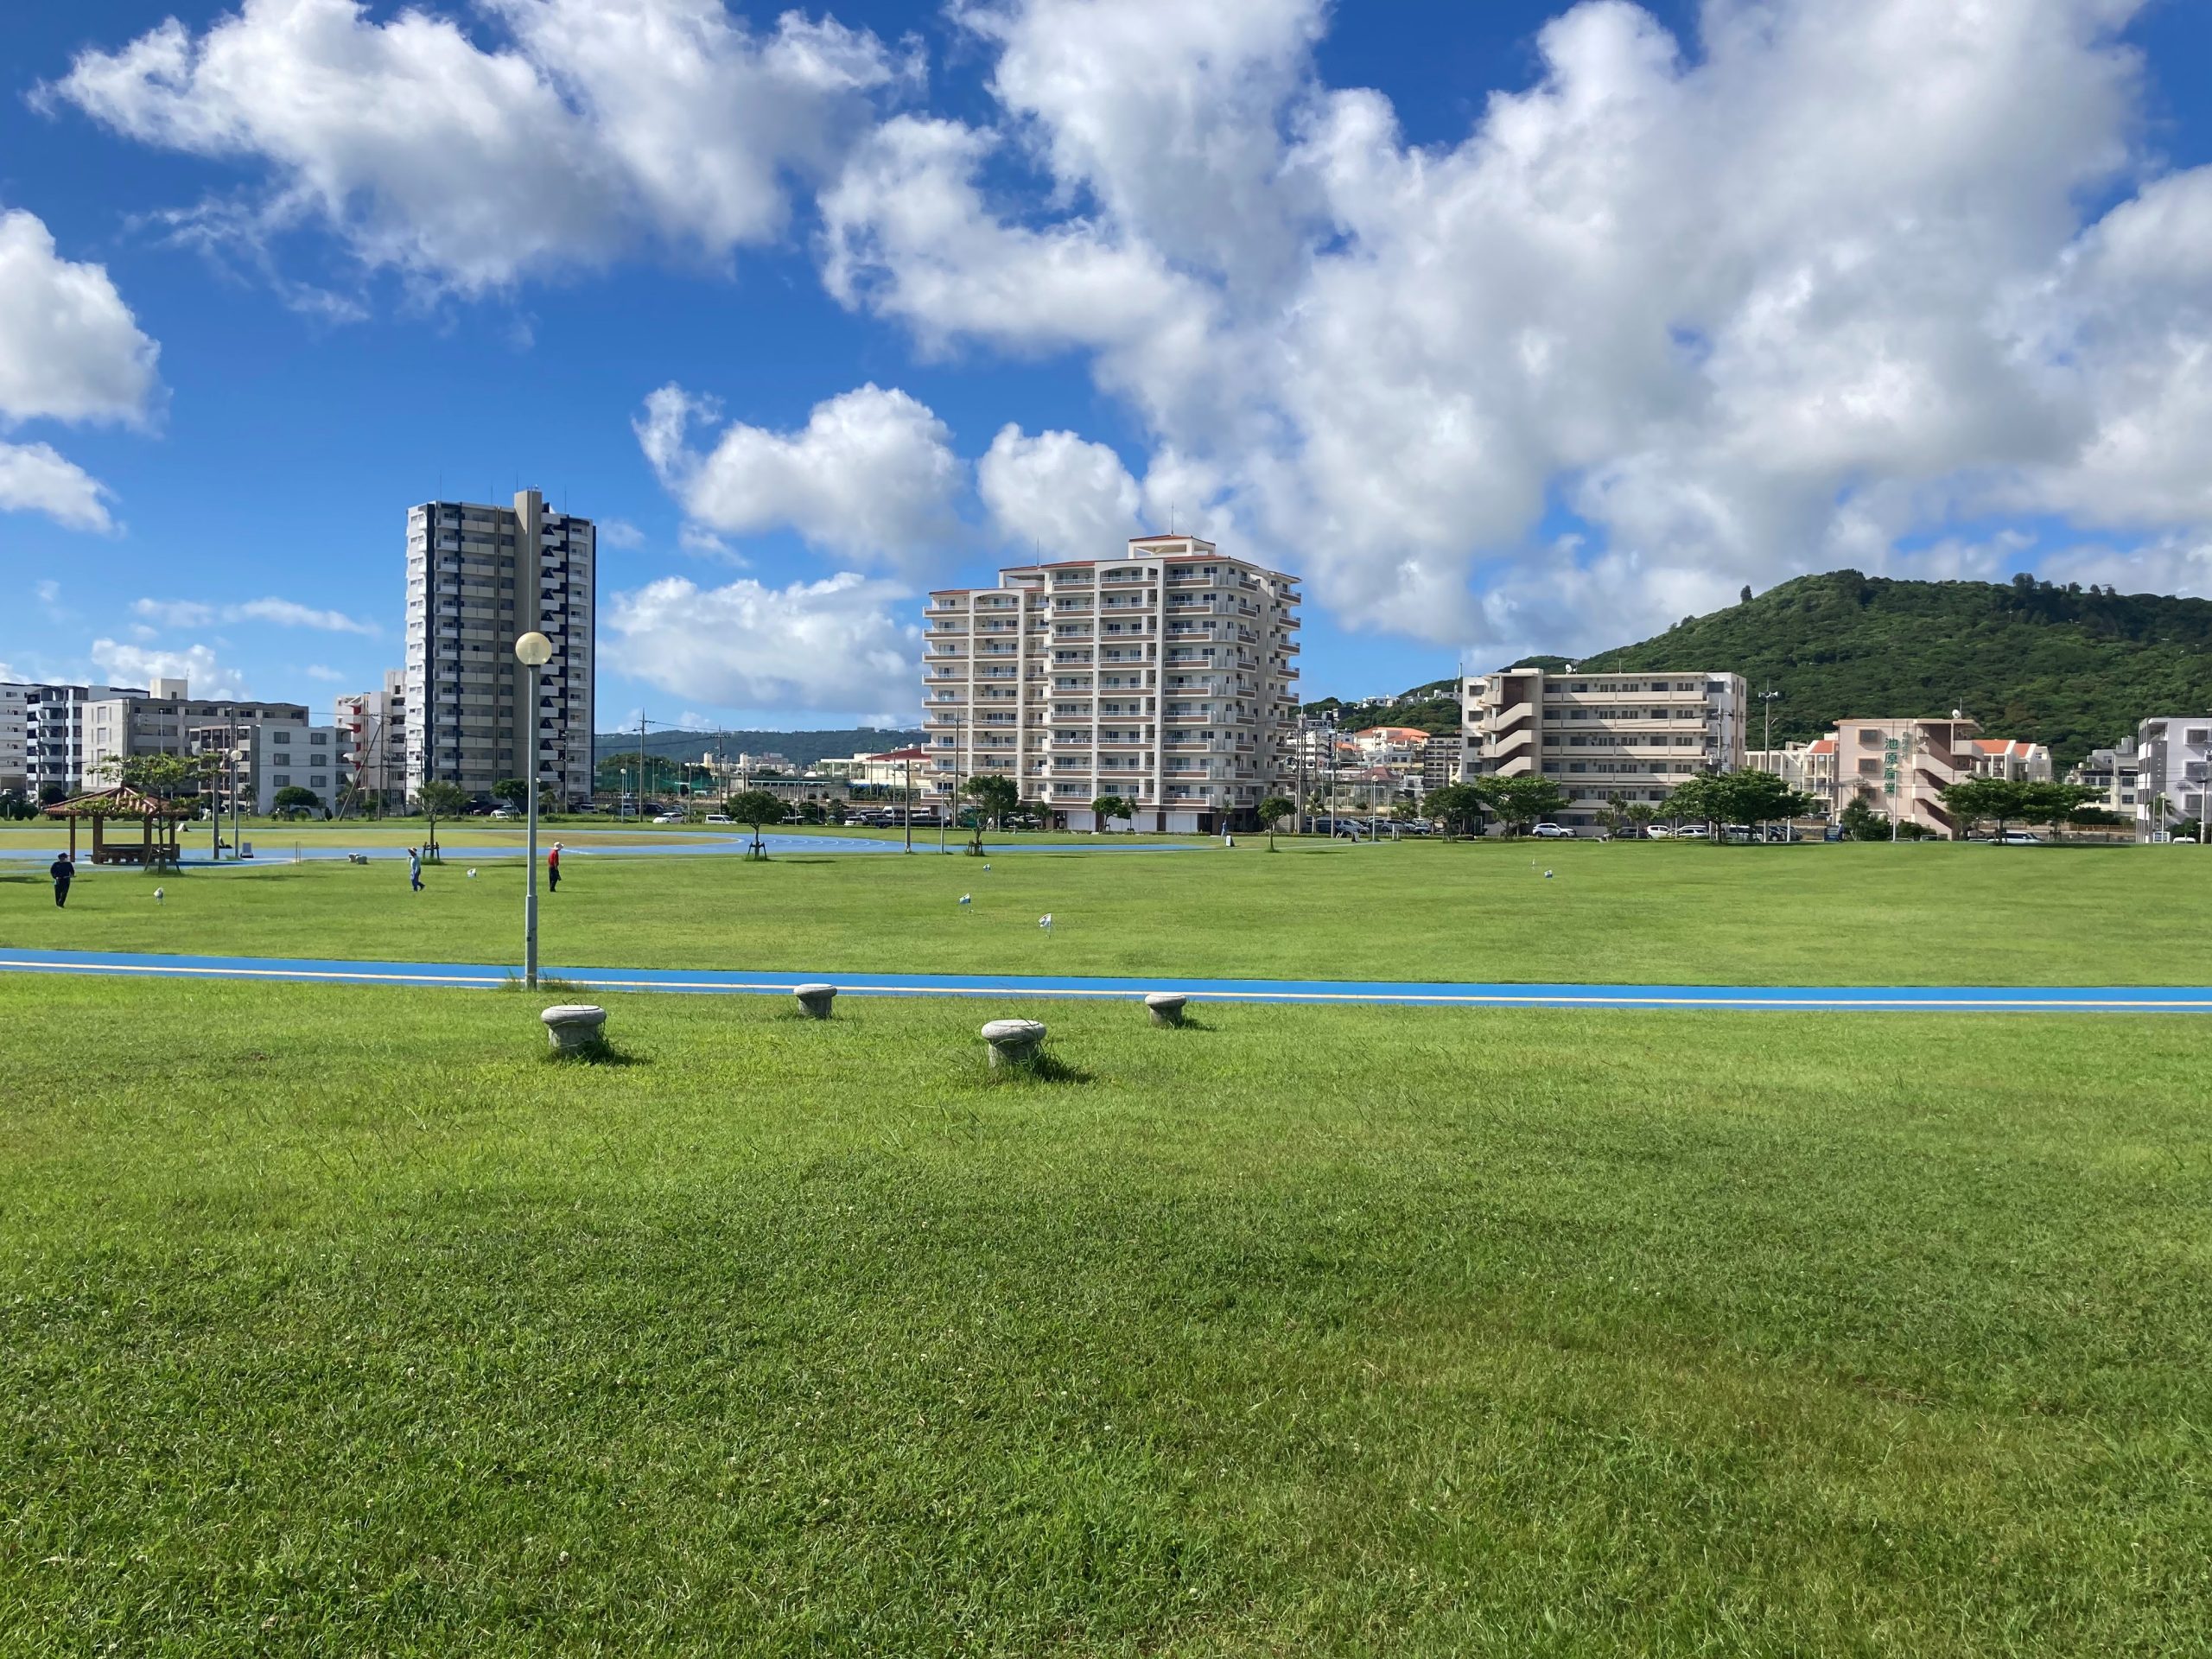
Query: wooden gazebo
{"points": [[158, 844]]}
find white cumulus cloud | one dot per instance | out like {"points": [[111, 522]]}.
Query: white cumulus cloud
{"points": [[591, 126], [279, 613], [37, 478], [69, 350], [839, 644], [1786, 294], [122, 664], [871, 476]]}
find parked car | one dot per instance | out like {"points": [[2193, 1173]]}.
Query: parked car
{"points": [[503, 812], [718, 818], [668, 818], [2016, 838], [1551, 832]]}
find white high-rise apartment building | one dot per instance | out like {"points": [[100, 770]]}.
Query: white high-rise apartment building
{"points": [[478, 577], [1605, 740], [1163, 676]]}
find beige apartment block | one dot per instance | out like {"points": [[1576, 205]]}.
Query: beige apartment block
{"points": [[1163, 676], [2012, 760], [1606, 740], [478, 578], [1901, 768]]}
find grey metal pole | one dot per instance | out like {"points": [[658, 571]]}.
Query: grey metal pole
{"points": [[529, 877]]}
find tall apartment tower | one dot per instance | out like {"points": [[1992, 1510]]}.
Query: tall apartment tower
{"points": [[478, 577], [1163, 676]]}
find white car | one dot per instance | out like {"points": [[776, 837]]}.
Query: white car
{"points": [[670, 817], [1552, 832], [718, 818], [2016, 838]]}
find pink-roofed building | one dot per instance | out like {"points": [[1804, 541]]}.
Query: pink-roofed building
{"points": [[2010, 759]]}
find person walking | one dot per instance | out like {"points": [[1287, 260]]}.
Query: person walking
{"points": [[414, 869], [63, 873], [553, 868]]}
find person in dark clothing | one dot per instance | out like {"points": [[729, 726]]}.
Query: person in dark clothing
{"points": [[553, 868], [63, 873]]}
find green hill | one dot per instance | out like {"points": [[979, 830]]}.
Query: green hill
{"points": [[1432, 707], [2070, 667]]}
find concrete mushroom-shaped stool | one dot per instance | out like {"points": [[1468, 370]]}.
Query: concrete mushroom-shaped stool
{"points": [[1014, 1042], [816, 1000], [574, 1025], [1165, 1008]]}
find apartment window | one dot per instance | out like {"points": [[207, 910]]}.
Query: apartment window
{"points": [[282, 779]]}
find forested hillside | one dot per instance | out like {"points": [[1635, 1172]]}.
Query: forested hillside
{"points": [[2071, 667]]}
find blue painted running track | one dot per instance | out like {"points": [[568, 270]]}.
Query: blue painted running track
{"points": [[2041, 998], [276, 847]]}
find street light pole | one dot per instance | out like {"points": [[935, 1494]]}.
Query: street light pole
{"points": [[1766, 731], [533, 650]]}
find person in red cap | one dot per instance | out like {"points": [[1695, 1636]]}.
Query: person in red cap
{"points": [[553, 868]]}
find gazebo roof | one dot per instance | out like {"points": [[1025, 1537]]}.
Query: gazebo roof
{"points": [[117, 801]]}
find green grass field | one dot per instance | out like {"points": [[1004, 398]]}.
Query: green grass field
{"points": [[1654, 913], [341, 1321]]}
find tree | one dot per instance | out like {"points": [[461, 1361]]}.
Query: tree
{"points": [[50, 793], [995, 797], [1107, 807], [1272, 810], [1745, 598], [515, 791], [1860, 821], [1702, 799], [755, 807], [1972, 799], [2054, 803], [1638, 815], [1758, 797], [293, 798], [435, 798], [14, 805], [1521, 801], [1457, 807]]}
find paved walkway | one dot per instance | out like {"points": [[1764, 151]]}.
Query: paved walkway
{"points": [[1860, 999]]}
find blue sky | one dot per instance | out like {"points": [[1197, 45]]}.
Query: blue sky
{"points": [[1511, 326]]}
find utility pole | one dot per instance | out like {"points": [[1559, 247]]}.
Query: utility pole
{"points": [[533, 650], [908, 814], [1766, 731]]}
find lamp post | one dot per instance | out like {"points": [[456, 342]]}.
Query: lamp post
{"points": [[533, 650]]}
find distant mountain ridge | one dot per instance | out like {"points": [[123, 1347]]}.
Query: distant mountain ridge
{"points": [[2071, 667]]}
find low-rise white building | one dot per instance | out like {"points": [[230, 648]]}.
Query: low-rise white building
{"points": [[2116, 772], [2174, 770]]}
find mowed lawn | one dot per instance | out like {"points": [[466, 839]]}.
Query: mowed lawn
{"points": [[340, 1321], [1652, 913]]}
